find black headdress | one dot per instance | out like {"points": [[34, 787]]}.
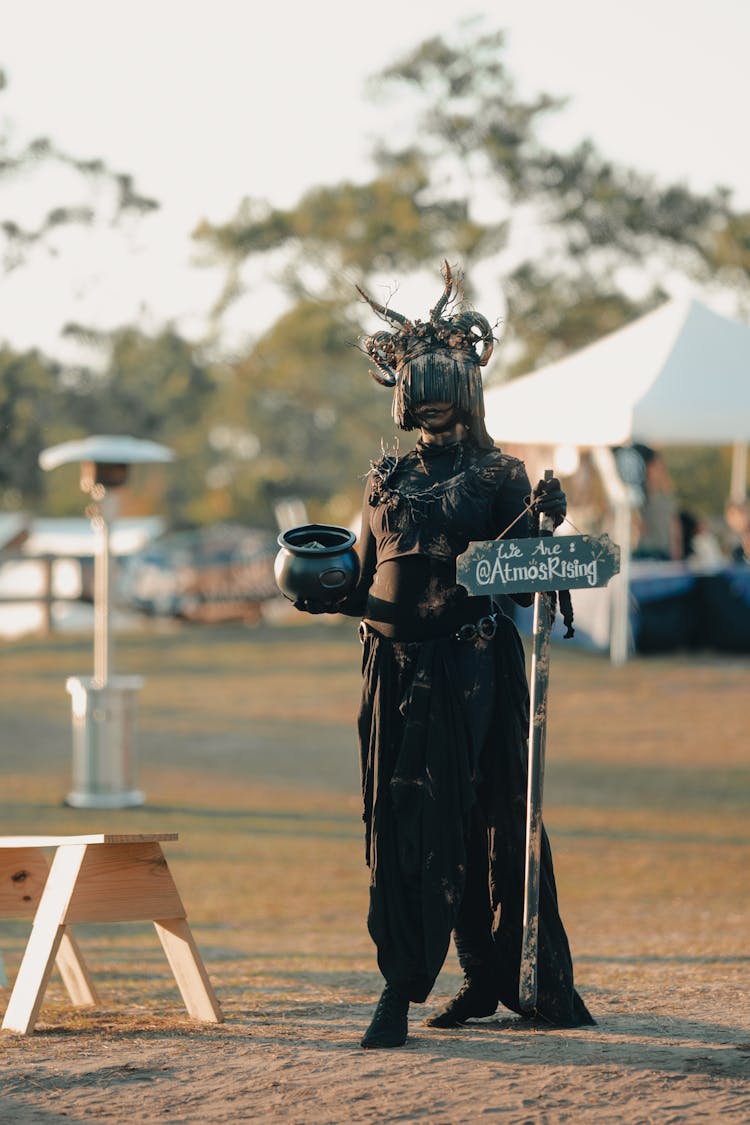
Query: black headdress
{"points": [[434, 360]]}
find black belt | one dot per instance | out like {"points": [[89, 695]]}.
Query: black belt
{"points": [[483, 629]]}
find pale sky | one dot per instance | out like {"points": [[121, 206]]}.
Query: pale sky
{"points": [[205, 103]]}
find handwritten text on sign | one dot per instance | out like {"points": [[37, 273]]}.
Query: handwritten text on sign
{"points": [[514, 566]]}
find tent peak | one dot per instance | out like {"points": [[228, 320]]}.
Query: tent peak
{"points": [[679, 375]]}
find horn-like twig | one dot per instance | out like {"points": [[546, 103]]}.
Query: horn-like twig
{"points": [[446, 294], [469, 320], [389, 314], [388, 378]]}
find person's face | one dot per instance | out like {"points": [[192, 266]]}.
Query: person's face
{"points": [[435, 417]]}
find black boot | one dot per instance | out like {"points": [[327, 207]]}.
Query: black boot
{"points": [[474, 999], [389, 1023]]}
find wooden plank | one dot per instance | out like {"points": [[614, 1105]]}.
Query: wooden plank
{"points": [[98, 838], [41, 948], [124, 883], [23, 873], [48, 599], [188, 969], [75, 975], [561, 562], [539, 684]]}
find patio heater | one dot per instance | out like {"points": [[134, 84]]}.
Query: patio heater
{"points": [[104, 706]]}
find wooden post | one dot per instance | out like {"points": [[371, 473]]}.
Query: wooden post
{"points": [[23, 875], [48, 567], [539, 565], [542, 624], [188, 969], [41, 948]]}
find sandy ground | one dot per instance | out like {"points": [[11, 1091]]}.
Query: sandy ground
{"points": [[247, 752]]}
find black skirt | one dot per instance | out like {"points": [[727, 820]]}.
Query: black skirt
{"points": [[443, 729]]}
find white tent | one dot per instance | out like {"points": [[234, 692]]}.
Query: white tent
{"points": [[677, 376]]}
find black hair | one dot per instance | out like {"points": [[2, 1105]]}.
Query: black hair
{"points": [[444, 375]]}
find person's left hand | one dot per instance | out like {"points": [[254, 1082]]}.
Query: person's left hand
{"points": [[310, 605], [548, 499]]}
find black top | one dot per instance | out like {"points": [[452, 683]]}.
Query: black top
{"points": [[420, 512]]}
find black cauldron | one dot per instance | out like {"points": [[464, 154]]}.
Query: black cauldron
{"points": [[317, 563]]}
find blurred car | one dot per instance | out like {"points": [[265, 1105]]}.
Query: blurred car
{"points": [[218, 573]]}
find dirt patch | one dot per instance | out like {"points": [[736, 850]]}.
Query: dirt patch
{"points": [[247, 751]]}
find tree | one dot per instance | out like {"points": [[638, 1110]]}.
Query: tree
{"points": [[29, 413], [304, 418], [158, 387], [41, 402], [604, 238], [579, 244], [18, 242]]}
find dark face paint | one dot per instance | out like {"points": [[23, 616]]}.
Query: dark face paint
{"points": [[435, 417]]}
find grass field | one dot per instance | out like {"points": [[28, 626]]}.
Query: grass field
{"points": [[247, 750]]}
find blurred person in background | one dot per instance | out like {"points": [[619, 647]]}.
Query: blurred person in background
{"points": [[737, 517], [658, 528], [700, 545]]}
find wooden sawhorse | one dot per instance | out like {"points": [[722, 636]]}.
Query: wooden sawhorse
{"points": [[101, 878]]}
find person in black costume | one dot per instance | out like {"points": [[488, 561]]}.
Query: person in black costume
{"points": [[443, 723]]}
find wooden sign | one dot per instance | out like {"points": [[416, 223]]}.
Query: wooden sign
{"points": [[553, 562]]}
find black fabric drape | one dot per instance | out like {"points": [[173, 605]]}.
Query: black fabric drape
{"points": [[417, 803], [443, 738]]}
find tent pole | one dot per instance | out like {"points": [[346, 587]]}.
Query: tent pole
{"points": [[619, 497], [619, 635], [738, 483]]}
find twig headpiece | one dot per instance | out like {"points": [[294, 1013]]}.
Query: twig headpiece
{"points": [[411, 339], [435, 360]]}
